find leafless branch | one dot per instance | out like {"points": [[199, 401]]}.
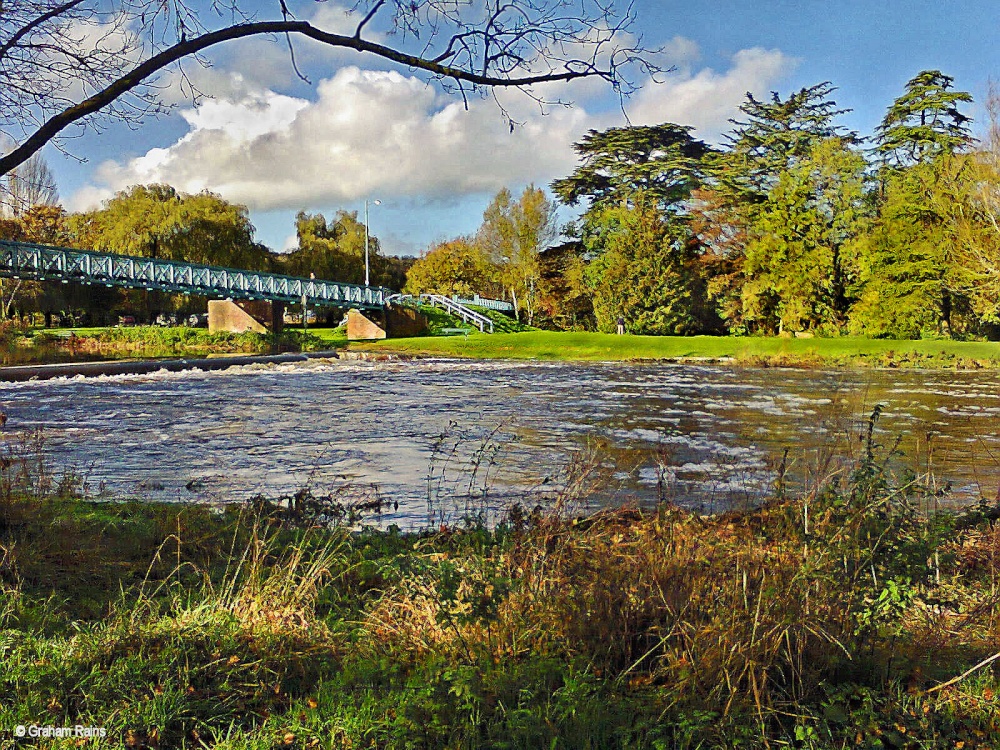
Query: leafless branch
{"points": [[368, 17], [77, 62]]}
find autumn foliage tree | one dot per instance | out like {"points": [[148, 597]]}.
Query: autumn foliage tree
{"points": [[458, 266], [512, 235], [44, 224]]}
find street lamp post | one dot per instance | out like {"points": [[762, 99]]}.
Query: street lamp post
{"points": [[305, 307], [377, 203]]}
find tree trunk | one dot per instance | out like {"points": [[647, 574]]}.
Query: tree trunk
{"points": [[946, 309], [839, 287]]}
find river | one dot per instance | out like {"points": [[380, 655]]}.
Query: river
{"points": [[438, 438]]}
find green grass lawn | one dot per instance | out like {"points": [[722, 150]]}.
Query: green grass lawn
{"points": [[555, 345], [328, 338], [568, 346]]}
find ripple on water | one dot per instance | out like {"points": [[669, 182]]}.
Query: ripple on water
{"points": [[419, 428]]}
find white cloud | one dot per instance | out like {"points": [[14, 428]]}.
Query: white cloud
{"points": [[290, 243], [252, 117], [707, 99], [208, 82], [386, 134], [681, 51], [368, 132]]}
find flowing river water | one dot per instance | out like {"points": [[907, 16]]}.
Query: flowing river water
{"points": [[437, 438]]}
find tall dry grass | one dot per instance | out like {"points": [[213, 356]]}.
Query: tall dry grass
{"points": [[747, 614]]}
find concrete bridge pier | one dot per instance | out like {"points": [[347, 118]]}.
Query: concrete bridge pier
{"points": [[259, 316], [389, 322]]}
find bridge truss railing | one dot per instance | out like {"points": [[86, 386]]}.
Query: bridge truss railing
{"points": [[45, 262]]}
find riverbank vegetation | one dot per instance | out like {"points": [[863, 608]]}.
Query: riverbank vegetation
{"points": [[512, 340], [852, 615], [157, 341], [20, 345], [748, 350]]}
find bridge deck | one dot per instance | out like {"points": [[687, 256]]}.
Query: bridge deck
{"points": [[44, 262]]}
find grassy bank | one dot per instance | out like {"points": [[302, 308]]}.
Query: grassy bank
{"points": [[155, 341], [830, 621], [552, 345], [40, 346], [511, 342]]}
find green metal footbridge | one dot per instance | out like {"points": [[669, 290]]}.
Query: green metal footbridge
{"points": [[22, 260]]}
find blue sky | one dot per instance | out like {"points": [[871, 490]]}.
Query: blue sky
{"points": [[364, 128]]}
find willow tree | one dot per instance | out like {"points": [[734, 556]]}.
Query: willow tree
{"points": [[335, 249], [77, 63], [156, 221]]}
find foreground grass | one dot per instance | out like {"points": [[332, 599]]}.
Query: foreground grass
{"points": [[553, 345], [828, 621]]}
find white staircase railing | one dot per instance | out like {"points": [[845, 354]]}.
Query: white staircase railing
{"points": [[459, 311], [489, 304]]}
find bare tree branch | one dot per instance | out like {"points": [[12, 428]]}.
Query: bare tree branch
{"points": [[35, 23], [29, 184], [367, 18], [72, 62]]}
